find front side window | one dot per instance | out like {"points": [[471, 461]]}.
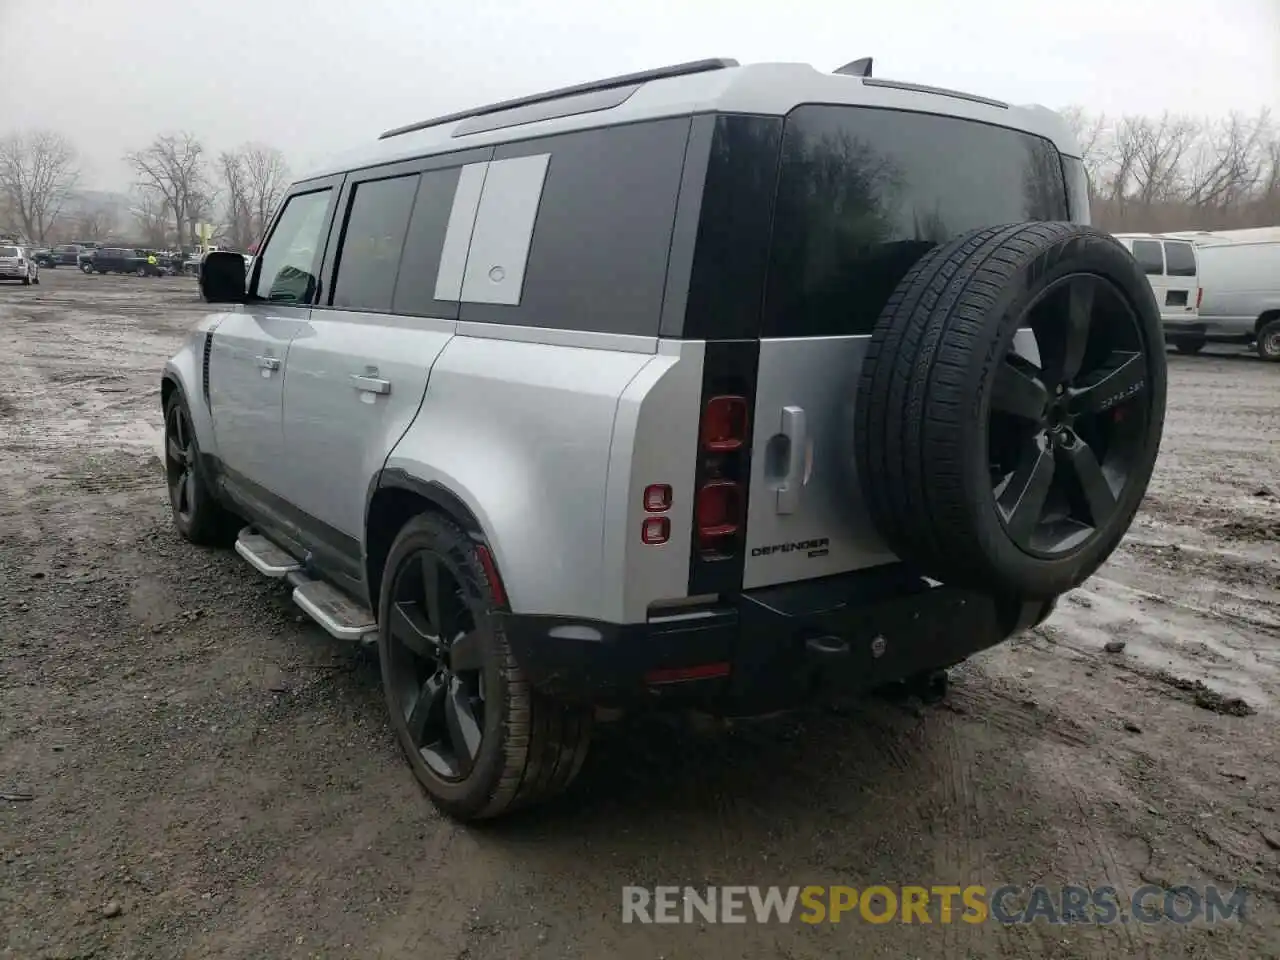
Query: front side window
{"points": [[863, 193], [291, 258], [1180, 259], [372, 243], [1149, 256]]}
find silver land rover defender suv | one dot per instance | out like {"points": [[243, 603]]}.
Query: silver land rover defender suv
{"points": [[715, 386]]}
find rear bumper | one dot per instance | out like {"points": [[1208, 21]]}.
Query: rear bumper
{"points": [[769, 649]]}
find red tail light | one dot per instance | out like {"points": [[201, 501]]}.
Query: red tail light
{"points": [[724, 424], [655, 530], [1199, 296], [657, 497], [717, 514]]}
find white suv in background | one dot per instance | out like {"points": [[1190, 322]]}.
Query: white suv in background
{"points": [[16, 263]]}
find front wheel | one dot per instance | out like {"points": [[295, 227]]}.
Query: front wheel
{"points": [[142, 271], [196, 512], [1269, 341], [480, 740]]}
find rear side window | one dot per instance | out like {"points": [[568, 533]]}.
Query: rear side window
{"points": [[372, 243], [1180, 259], [602, 219], [1149, 255], [415, 291], [8, 251], [288, 265], [863, 193]]}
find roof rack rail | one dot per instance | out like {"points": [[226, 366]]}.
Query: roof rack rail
{"points": [[644, 76]]}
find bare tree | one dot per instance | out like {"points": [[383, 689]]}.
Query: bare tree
{"points": [[172, 167], [1161, 146], [38, 171], [1228, 163], [239, 214], [151, 213], [93, 222], [267, 179], [1091, 134]]}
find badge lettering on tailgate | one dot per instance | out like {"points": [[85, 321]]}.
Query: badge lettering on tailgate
{"points": [[817, 547]]}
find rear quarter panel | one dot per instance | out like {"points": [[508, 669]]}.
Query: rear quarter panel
{"points": [[521, 433]]}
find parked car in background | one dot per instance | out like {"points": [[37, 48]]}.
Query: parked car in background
{"points": [[43, 257], [1172, 271], [17, 264], [1241, 299], [67, 254]]}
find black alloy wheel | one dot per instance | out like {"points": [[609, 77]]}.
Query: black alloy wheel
{"points": [[435, 669], [1065, 434], [180, 463]]}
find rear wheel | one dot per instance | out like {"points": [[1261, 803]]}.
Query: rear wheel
{"points": [[142, 271], [480, 740], [1188, 344], [991, 464], [1269, 341]]}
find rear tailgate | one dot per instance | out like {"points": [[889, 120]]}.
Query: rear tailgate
{"points": [[862, 195]]}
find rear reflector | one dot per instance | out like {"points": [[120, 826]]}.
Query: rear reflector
{"points": [[703, 671], [657, 497], [655, 530], [491, 572], [1199, 296], [724, 424]]}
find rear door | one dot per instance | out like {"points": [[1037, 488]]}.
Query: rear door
{"points": [[862, 194], [1150, 256], [246, 360], [1180, 281], [358, 368]]}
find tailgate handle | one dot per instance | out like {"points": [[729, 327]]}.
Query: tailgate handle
{"points": [[794, 429]]}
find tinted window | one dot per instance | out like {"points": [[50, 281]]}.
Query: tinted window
{"points": [[598, 256], [372, 243], [288, 265], [864, 193], [1180, 260], [415, 290], [1148, 255], [8, 251]]}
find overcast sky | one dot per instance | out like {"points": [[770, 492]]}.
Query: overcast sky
{"points": [[320, 76]]}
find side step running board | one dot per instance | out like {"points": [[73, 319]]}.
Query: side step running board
{"points": [[264, 556], [326, 605], [334, 610]]}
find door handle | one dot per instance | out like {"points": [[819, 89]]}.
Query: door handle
{"points": [[366, 384], [794, 428], [269, 363]]}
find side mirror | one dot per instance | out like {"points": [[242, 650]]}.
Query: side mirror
{"points": [[222, 278]]}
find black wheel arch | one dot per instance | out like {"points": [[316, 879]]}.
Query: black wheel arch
{"points": [[394, 498]]}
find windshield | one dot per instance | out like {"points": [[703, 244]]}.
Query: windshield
{"points": [[9, 252]]}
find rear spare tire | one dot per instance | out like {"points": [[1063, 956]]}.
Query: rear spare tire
{"points": [[1013, 471]]}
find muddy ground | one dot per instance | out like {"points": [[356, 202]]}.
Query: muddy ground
{"points": [[192, 770]]}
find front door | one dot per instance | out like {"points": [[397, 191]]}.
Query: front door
{"points": [[247, 357]]}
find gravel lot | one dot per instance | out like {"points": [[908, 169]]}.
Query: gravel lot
{"points": [[191, 769]]}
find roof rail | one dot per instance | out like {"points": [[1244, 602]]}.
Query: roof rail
{"points": [[644, 76]]}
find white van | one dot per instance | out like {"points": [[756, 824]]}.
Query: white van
{"points": [[1241, 295], [1171, 269]]}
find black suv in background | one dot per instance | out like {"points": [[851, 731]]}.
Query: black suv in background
{"points": [[116, 260], [67, 254]]}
